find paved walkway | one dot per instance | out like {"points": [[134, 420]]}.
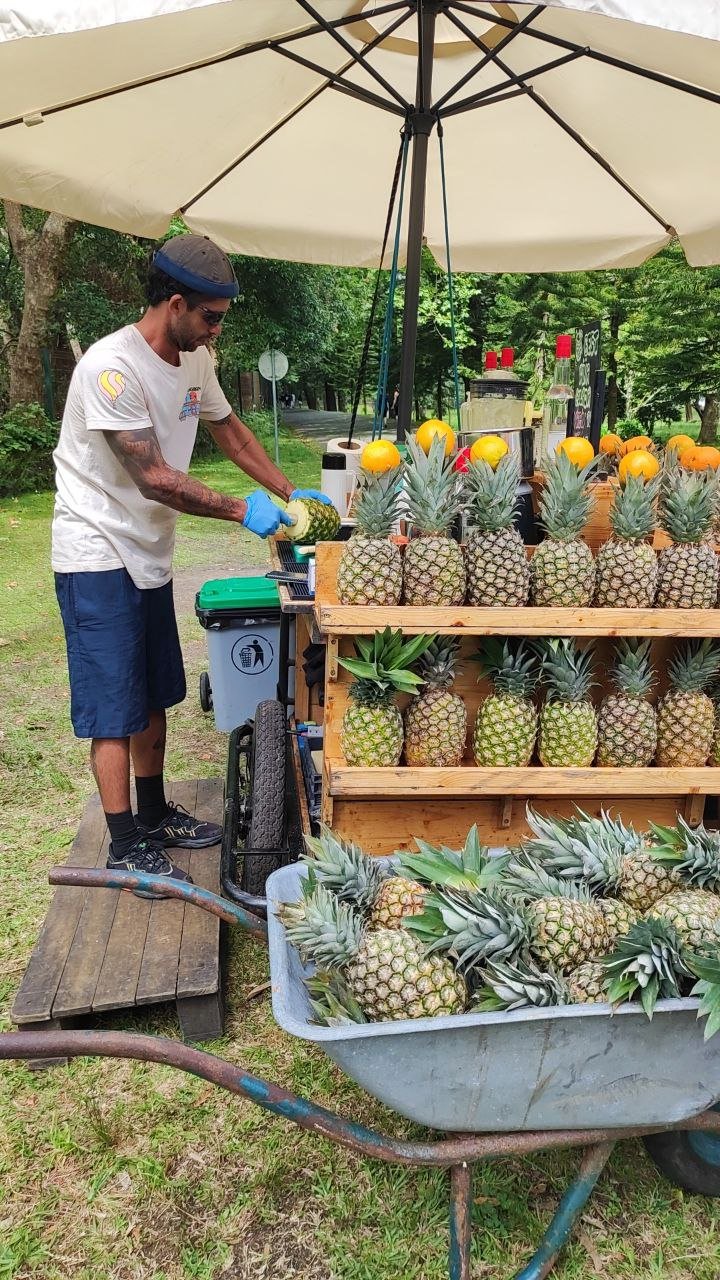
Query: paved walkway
{"points": [[321, 425]]}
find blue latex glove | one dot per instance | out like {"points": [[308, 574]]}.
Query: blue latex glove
{"points": [[311, 493], [263, 517]]}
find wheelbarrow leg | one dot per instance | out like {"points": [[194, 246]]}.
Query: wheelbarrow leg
{"points": [[460, 1221], [567, 1213]]}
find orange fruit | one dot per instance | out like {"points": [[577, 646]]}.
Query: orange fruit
{"points": [[640, 462], [426, 433], [610, 443], [700, 457], [490, 448], [578, 449], [636, 442], [680, 442], [380, 456]]}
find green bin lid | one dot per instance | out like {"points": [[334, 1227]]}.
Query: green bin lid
{"points": [[239, 593]]}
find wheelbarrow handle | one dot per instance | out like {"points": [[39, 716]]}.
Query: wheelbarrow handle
{"points": [[102, 878]]}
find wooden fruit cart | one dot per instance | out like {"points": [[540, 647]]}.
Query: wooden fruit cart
{"points": [[383, 808]]}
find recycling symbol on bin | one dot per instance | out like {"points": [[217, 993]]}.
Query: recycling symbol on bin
{"points": [[252, 655]]}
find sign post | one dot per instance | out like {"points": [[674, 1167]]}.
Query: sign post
{"points": [[273, 365], [587, 366]]}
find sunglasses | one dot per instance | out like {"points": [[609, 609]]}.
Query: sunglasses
{"points": [[212, 317]]}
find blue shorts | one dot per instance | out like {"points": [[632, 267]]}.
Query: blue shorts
{"points": [[124, 657]]}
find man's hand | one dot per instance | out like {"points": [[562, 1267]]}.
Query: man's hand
{"points": [[311, 493], [262, 516]]}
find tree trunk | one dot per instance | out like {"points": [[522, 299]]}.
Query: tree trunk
{"points": [[310, 396], [330, 398], [41, 255], [689, 412], [709, 419]]}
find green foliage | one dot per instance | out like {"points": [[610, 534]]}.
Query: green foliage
{"points": [[27, 439], [626, 428]]}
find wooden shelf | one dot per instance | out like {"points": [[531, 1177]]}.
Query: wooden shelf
{"points": [[338, 619], [467, 780]]}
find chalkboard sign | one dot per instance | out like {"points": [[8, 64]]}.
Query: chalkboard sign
{"points": [[587, 364]]}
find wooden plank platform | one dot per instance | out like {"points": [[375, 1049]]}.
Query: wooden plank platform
{"points": [[536, 780], [101, 949]]}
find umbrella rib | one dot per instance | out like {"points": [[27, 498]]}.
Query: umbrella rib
{"points": [[599, 159], [359, 58], [486, 98], [490, 55], [683, 86]]}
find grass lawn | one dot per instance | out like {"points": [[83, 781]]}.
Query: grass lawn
{"points": [[118, 1171]]}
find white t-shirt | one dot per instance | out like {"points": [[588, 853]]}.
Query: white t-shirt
{"points": [[101, 519]]}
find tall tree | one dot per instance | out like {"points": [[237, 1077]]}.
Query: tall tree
{"points": [[39, 243]]}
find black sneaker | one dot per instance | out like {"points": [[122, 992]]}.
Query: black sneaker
{"points": [[179, 829], [148, 856]]}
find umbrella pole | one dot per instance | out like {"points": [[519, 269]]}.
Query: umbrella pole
{"points": [[420, 124]]}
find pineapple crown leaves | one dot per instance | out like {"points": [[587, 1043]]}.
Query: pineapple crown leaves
{"points": [[383, 665], [566, 671], [520, 983], [688, 501], [648, 960], [566, 500], [694, 666], [468, 868], [632, 515], [512, 667], [325, 930], [433, 489], [438, 665], [470, 925], [378, 502], [706, 968], [693, 851], [632, 671], [343, 868], [493, 493], [529, 880], [332, 1001]]}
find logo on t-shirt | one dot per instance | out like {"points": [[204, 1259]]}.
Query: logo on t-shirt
{"points": [[111, 383], [191, 404]]}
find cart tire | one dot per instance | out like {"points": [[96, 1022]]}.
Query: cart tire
{"points": [[267, 781], [206, 698], [688, 1158]]}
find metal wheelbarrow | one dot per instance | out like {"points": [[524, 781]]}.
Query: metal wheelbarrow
{"points": [[509, 1084]]}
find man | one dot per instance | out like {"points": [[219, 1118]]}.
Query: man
{"points": [[122, 459]]}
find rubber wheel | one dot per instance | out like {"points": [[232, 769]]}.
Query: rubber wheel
{"points": [[267, 793], [689, 1159], [206, 698]]}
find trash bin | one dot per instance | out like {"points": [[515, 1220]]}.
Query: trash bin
{"points": [[242, 619]]}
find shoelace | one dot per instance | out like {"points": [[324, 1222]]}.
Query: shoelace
{"points": [[153, 859]]}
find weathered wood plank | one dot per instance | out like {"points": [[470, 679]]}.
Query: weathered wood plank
{"points": [[199, 964], [158, 969], [534, 781], [35, 998], [84, 962]]}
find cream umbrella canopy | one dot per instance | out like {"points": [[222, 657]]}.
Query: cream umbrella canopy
{"points": [[577, 134]]}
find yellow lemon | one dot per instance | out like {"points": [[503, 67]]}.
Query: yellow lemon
{"points": [[426, 433], [578, 449], [490, 448], [380, 456]]}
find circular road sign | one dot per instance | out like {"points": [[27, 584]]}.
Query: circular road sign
{"points": [[265, 365]]}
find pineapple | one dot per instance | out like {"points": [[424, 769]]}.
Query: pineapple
{"points": [[586, 984], [497, 565], [468, 868], [686, 716], [612, 858], [627, 724], [372, 726], [433, 567], [694, 914], [714, 757], [370, 569], [314, 521], [521, 984], [385, 971], [436, 720], [506, 724], [619, 918], [353, 877], [694, 853], [688, 570], [562, 570], [627, 566], [568, 723], [648, 959]]}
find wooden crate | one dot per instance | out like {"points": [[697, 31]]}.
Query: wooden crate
{"points": [[384, 808]]}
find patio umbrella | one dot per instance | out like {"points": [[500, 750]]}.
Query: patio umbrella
{"points": [[577, 134]]}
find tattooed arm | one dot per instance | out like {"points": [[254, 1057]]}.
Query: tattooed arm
{"points": [[239, 445], [140, 454]]}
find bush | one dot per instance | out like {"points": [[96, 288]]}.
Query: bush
{"points": [[27, 440], [626, 428]]}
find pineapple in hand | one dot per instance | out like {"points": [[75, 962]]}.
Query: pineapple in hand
{"points": [[433, 566], [436, 720], [568, 723], [506, 724], [372, 726]]}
